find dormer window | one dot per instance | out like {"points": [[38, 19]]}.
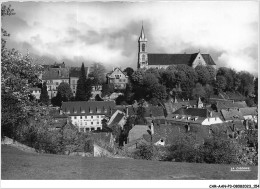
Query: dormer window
{"points": [[98, 110], [90, 110], [82, 111]]}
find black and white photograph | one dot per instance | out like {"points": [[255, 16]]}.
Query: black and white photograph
{"points": [[126, 94]]}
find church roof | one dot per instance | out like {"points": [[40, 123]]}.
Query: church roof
{"points": [[173, 59]]}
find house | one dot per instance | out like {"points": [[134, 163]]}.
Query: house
{"points": [[96, 90], [194, 116], [53, 77], [137, 132], [219, 104], [173, 105], [147, 60], [87, 116], [250, 113], [74, 77], [118, 78], [36, 92], [118, 118], [231, 115]]}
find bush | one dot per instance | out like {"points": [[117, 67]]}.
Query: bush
{"points": [[144, 152]]}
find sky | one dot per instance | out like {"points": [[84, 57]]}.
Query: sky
{"points": [[107, 32]]}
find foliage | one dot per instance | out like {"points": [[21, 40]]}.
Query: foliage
{"points": [[198, 91], [204, 76], [116, 131], [144, 152], [98, 73], [44, 97], [65, 91], [129, 71], [98, 98], [107, 89], [137, 77], [121, 100], [256, 90], [57, 100], [247, 83], [250, 102], [84, 86], [221, 83]]}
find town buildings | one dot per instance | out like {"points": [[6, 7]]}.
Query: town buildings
{"points": [[153, 60], [87, 116], [118, 78]]}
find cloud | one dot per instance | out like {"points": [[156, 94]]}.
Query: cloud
{"points": [[107, 32]]}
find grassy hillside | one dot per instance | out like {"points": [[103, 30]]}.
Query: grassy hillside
{"points": [[17, 165]]}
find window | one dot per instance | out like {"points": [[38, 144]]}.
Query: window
{"points": [[75, 117], [143, 58], [97, 122], [80, 117], [91, 123], [97, 116], [143, 47], [57, 83]]}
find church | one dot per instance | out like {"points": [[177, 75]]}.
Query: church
{"points": [[151, 60]]}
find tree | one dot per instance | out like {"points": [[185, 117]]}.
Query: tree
{"points": [[129, 71], [65, 91], [81, 93], [256, 90], [204, 76], [137, 77], [98, 73], [247, 83], [198, 91], [221, 83], [169, 79], [44, 97], [107, 89], [57, 100], [212, 73], [159, 92]]}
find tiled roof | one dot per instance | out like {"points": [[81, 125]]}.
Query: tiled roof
{"points": [[173, 59], [56, 73], [75, 71], [138, 131], [154, 111], [108, 74], [232, 114], [200, 112], [225, 104], [117, 119], [248, 111], [88, 108]]}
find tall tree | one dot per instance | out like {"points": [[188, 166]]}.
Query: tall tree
{"points": [[44, 97], [256, 90], [81, 94], [129, 71], [98, 73], [65, 91], [203, 74]]}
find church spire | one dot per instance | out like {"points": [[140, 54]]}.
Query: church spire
{"points": [[142, 36]]}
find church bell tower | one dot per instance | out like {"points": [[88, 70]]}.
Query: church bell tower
{"points": [[142, 51]]}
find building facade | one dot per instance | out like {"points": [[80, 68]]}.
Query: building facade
{"points": [[87, 116], [148, 60], [53, 78], [118, 78]]}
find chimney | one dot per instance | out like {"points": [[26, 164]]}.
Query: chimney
{"points": [[126, 111], [152, 128], [210, 113]]}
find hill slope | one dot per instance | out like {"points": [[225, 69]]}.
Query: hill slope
{"points": [[18, 165]]}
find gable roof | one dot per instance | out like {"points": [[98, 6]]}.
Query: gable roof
{"points": [[110, 73], [56, 73], [174, 59], [137, 132], [88, 108], [117, 119], [200, 112], [225, 104], [248, 111], [232, 114]]}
